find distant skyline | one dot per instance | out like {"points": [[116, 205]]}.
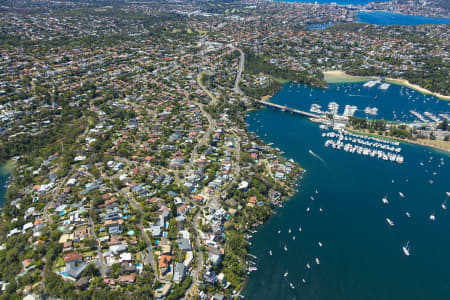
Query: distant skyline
{"points": [[342, 2]]}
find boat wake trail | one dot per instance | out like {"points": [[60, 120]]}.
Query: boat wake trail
{"points": [[316, 156]]}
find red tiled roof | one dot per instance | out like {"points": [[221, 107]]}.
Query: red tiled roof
{"points": [[164, 261], [72, 256]]}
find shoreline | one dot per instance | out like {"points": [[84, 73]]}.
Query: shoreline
{"points": [[5, 171], [7, 167], [339, 76], [416, 87], [419, 142]]}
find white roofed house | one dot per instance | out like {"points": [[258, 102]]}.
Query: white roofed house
{"points": [[125, 257], [27, 226]]}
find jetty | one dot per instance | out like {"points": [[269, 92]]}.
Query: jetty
{"points": [[289, 109]]}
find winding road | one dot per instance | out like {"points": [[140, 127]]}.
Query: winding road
{"points": [[237, 89], [149, 254], [212, 127]]}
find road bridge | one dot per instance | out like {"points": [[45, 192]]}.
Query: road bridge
{"points": [[289, 109]]}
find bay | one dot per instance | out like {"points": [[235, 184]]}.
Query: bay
{"points": [[395, 103], [362, 256], [379, 17], [390, 18]]}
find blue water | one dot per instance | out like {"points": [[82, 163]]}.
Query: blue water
{"points": [[3, 177], [319, 26], [380, 18], [362, 256], [389, 18], [394, 103]]}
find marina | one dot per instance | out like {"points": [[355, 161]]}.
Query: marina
{"points": [[343, 202], [364, 145]]}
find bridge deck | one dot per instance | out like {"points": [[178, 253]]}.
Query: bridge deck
{"points": [[293, 110]]}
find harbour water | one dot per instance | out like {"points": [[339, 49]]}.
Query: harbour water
{"points": [[394, 103], [3, 178], [390, 18], [380, 17], [361, 255]]}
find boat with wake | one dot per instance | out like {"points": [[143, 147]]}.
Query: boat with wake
{"points": [[406, 249]]}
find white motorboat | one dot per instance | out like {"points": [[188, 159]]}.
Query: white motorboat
{"points": [[292, 286], [408, 214], [385, 200], [303, 280], [389, 221], [401, 194], [270, 252], [286, 274], [317, 261], [320, 244], [308, 266], [285, 248], [406, 249], [432, 217]]}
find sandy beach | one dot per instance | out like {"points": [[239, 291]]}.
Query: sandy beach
{"points": [[338, 76], [417, 88]]}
